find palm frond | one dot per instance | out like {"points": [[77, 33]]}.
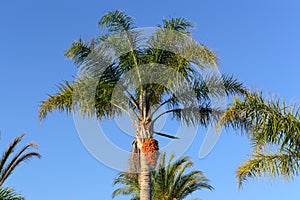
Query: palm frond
{"points": [[177, 24], [61, 101], [193, 105], [165, 135], [172, 181], [9, 194], [269, 121], [7, 171], [192, 182], [215, 86], [232, 86], [9, 150], [20, 156], [8, 166], [116, 21], [273, 129], [177, 50], [131, 186], [202, 115], [79, 51], [283, 164]]}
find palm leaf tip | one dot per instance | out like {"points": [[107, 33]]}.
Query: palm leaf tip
{"points": [[283, 164], [179, 24], [61, 101], [9, 194], [116, 21], [79, 51], [232, 86], [7, 166]]}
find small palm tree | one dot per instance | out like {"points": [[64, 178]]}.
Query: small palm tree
{"points": [[170, 180], [8, 166], [274, 130], [9, 194]]}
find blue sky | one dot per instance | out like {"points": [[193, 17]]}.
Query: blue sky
{"points": [[257, 41]]}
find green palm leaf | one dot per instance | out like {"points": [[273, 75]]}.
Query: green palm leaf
{"points": [[283, 164], [274, 130], [9, 194]]}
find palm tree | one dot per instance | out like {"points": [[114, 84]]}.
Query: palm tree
{"points": [[161, 71], [274, 130], [8, 166], [170, 180], [9, 194]]}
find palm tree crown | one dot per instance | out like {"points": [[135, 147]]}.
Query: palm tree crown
{"points": [[93, 59], [124, 72]]}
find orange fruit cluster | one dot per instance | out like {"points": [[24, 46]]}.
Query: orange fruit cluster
{"points": [[150, 145], [151, 151]]}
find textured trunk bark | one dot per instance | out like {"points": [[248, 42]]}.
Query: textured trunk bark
{"points": [[145, 179], [144, 131]]}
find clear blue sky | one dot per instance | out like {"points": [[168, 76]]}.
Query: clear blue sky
{"points": [[257, 41]]}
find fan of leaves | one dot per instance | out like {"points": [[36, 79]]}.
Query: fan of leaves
{"points": [[273, 127]]}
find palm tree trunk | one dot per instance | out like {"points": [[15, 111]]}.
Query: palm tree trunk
{"points": [[145, 179], [144, 132]]}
